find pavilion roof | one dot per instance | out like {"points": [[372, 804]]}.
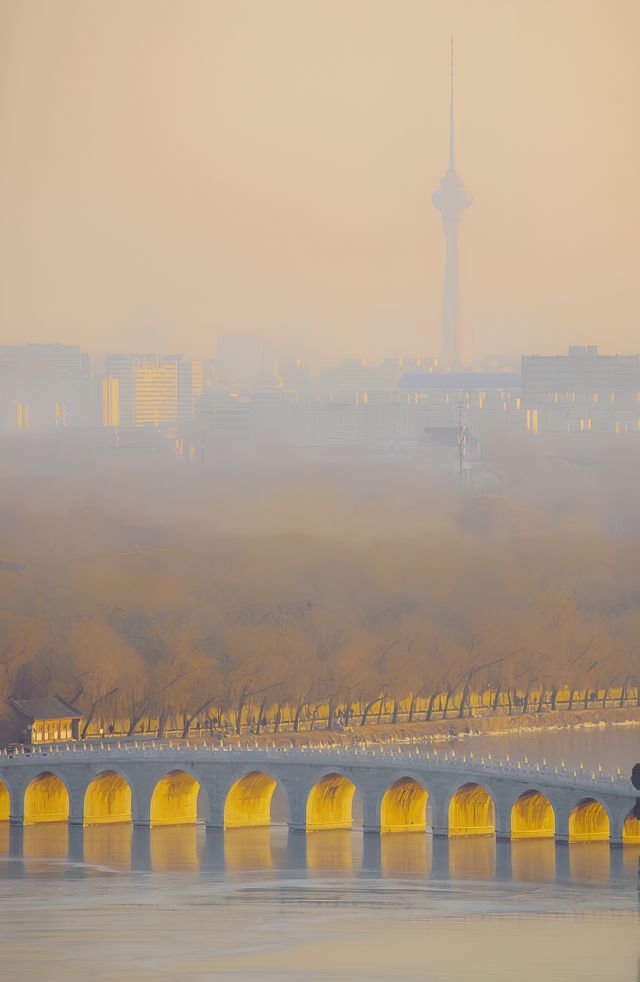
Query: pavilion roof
{"points": [[52, 707]]}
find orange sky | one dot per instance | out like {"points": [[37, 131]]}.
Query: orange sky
{"points": [[176, 169]]}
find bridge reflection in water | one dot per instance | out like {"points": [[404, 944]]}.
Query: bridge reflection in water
{"points": [[533, 860], [108, 849]]}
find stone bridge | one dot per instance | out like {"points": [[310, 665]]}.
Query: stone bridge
{"points": [[400, 789]]}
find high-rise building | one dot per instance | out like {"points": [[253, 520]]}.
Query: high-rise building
{"points": [[451, 200], [155, 389], [45, 387], [110, 402], [152, 389], [197, 377], [120, 368], [582, 391]]}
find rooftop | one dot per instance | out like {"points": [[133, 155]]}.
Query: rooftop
{"points": [[53, 707]]}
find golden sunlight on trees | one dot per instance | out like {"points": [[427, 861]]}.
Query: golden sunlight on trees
{"points": [[175, 800], [5, 803], [330, 802], [471, 812], [589, 822], [46, 800], [404, 807], [532, 817], [107, 800], [631, 829], [249, 801], [193, 634]]}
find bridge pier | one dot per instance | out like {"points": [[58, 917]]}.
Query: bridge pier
{"points": [[440, 817], [502, 815], [141, 803], [562, 825], [371, 803], [217, 797], [76, 807], [295, 788]]}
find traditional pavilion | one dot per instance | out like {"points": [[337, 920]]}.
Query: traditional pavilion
{"points": [[50, 720]]}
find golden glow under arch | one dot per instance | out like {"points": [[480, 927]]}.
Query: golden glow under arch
{"points": [[631, 829], [589, 822], [404, 807], [248, 802], [175, 800], [46, 800], [533, 817], [471, 811], [5, 803], [329, 805], [107, 799]]}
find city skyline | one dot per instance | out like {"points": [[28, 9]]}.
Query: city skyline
{"points": [[302, 211]]}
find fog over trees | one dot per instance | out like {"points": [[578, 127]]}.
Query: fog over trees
{"points": [[152, 596]]}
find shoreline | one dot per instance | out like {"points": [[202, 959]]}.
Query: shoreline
{"points": [[443, 731], [434, 732]]}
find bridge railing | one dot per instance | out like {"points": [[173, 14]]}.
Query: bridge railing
{"points": [[383, 754]]}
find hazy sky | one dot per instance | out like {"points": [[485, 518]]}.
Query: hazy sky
{"points": [[175, 169]]}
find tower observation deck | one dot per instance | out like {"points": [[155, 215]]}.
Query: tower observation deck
{"points": [[451, 200]]}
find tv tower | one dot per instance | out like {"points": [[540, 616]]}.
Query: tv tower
{"points": [[451, 199]]}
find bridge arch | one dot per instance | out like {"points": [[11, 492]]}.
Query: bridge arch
{"points": [[330, 802], [589, 821], [404, 806], [631, 829], [107, 799], [174, 800], [5, 802], [471, 811], [532, 816], [248, 800], [46, 799]]}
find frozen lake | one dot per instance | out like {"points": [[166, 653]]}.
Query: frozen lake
{"points": [[110, 902]]}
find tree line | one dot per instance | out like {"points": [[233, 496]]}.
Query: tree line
{"points": [[291, 632]]}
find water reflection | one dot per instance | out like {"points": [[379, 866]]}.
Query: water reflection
{"points": [[403, 853], [108, 846], [105, 849], [533, 860], [589, 860], [248, 849], [176, 848], [631, 858], [45, 841], [333, 850], [472, 858]]}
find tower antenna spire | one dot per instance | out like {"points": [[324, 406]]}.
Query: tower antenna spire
{"points": [[452, 144], [451, 200]]}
